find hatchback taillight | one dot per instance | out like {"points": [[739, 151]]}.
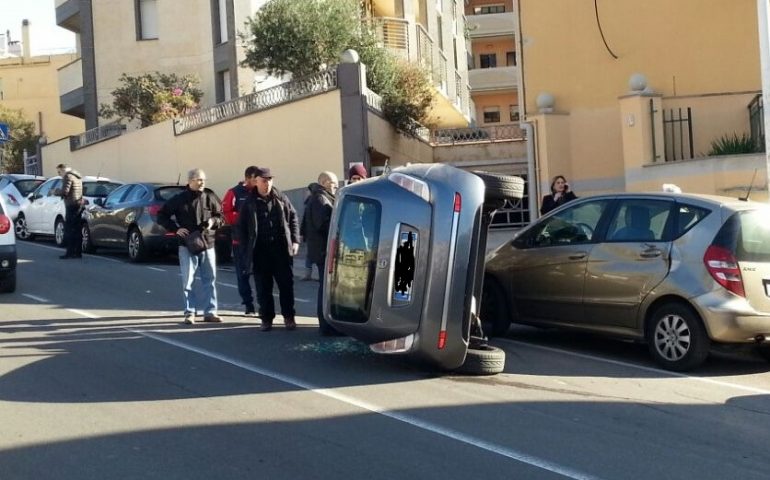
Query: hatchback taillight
{"points": [[154, 209], [5, 224], [722, 265]]}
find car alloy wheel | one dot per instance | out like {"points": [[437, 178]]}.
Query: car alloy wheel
{"points": [[87, 243], [20, 225], [136, 250], [58, 232], [676, 337]]}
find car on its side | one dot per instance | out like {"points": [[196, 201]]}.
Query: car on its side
{"points": [[8, 256], [15, 187], [127, 219], [678, 271], [45, 213]]}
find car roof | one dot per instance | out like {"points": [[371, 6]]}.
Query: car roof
{"points": [[22, 176], [714, 200]]}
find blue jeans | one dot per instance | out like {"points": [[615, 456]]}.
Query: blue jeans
{"points": [[204, 263]]}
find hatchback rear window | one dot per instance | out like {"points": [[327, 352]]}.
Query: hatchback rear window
{"points": [[355, 260], [167, 193], [98, 189], [747, 234], [26, 186]]}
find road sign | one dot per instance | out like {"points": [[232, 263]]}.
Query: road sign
{"points": [[4, 133]]}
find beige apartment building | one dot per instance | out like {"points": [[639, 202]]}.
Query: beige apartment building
{"points": [[628, 95], [29, 84], [494, 72]]}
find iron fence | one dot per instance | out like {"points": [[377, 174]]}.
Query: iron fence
{"points": [[757, 122], [453, 136], [96, 135], [677, 134], [293, 90]]}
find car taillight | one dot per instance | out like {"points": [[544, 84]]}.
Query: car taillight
{"points": [[722, 265], [458, 205], [414, 185], [5, 224], [154, 209]]}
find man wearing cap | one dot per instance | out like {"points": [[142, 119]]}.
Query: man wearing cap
{"points": [[269, 234], [356, 173]]}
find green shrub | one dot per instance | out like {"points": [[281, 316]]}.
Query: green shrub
{"points": [[733, 145]]}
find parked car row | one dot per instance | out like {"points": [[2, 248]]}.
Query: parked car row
{"points": [[7, 250], [15, 188]]}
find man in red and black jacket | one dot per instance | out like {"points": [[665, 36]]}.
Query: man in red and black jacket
{"points": [[231, 205]]}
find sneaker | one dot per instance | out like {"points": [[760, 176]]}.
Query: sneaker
{"points": [[212, 318], [290, 323], [250, 312], [266, 326], [189, 318]]}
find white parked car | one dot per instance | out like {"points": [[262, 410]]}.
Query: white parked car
{"points": [[7, 251], [45, 213], [15, 188]]}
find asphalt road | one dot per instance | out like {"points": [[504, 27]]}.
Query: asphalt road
{"points": [[99, 380]]}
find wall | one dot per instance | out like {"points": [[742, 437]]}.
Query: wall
{"points": [[499, 46], [400, 149], [501, 100], [483, 153], [32, 86], [293, 143]]}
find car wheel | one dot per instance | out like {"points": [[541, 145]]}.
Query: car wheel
{"points": [[764, 352], [137, 251], [495, 315], [502, 187], [58, 232], [676, 337], [8, 284], [88, 243], [484, 360], [21, 228]]}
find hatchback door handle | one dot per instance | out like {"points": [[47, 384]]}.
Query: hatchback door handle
{"points": [[577, 255], [652, 253]]}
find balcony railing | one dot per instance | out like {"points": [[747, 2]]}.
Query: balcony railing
{"points": [[492, 25], [70, 76], [499, 78], [271, 97], [393, 34], [424, 48], [96, 135], [454, 136]]}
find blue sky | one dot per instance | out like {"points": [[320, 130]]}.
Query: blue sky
{"points": [[45, 36]]}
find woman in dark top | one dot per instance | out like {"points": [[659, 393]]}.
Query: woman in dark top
{"points": [[560, 194]]}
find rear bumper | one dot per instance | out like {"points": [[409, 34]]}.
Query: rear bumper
{"points": [[731, 319], [8, 259]]}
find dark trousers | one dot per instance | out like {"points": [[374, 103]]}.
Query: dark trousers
{"points": [[272, 262], [244, 279], [73, 236]]}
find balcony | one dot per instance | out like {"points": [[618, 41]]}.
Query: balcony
{"points": [[492, 79], [492, 25], [71, 96], [68, 15], [393, 34]]}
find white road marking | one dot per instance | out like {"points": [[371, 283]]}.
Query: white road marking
{"points": [[401, 417], [230, 285], [83, 314], [656, 371], [34, 297], [156, 269]]}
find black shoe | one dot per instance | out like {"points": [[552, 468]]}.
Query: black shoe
{"points": [[250, 312], [266, 326]]}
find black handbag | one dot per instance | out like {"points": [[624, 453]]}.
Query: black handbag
{"points": [[196, 242]]}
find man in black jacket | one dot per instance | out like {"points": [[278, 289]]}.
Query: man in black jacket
{"points": [[269, 234], [196, 211]]}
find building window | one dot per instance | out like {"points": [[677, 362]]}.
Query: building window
{"points": [[491, 114], [147, 19], [510, 59], [222, 18], [488, 60], [223, 91], [514, 112], [486, 9]]}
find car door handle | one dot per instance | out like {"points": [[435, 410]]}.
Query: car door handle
{"points": [[577, 255], [651, 253]]}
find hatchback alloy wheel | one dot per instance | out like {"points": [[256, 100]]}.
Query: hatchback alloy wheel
{"points": [[20, 225], [136, 248], [676, 337], [58, 232]]}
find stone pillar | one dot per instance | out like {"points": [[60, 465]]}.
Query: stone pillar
{"points": [[641, 119], [553, 149], [351, 78]]}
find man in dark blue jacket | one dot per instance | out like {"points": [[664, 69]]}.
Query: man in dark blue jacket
{"points": [[196, 212], [269, 234]]}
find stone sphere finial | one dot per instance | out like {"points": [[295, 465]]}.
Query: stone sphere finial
{"points": [[545, 102], [637, 82], [349, 56]]}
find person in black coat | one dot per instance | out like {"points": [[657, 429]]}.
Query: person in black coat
{"points": [[268, 230], [560, 194]]}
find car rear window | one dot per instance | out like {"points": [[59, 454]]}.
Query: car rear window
{"points": [[355, 259], [747, 235], [26, 186], [167, 193], [98, 189]]}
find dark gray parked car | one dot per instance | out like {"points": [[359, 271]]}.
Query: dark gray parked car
{"points": [[405, 263]]}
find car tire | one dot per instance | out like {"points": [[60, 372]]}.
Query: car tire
{"points": [[502, 187], [494, 313], [58, 232], [8, 284], [764, 352], [137, 251], [88, 243], [485, 360], [21, 228], [676, 337]]}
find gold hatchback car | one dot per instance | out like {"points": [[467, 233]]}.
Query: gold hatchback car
{"points": [[678, 271]]}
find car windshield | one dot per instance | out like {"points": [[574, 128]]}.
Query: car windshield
{"points": [[98, 189], [26, 186]]}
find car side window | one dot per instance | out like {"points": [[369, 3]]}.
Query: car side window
{"points": [[687, 216], [136, 194], [116, 196], [54, 187], [573, 226], [640, 220], [45, 188]]}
